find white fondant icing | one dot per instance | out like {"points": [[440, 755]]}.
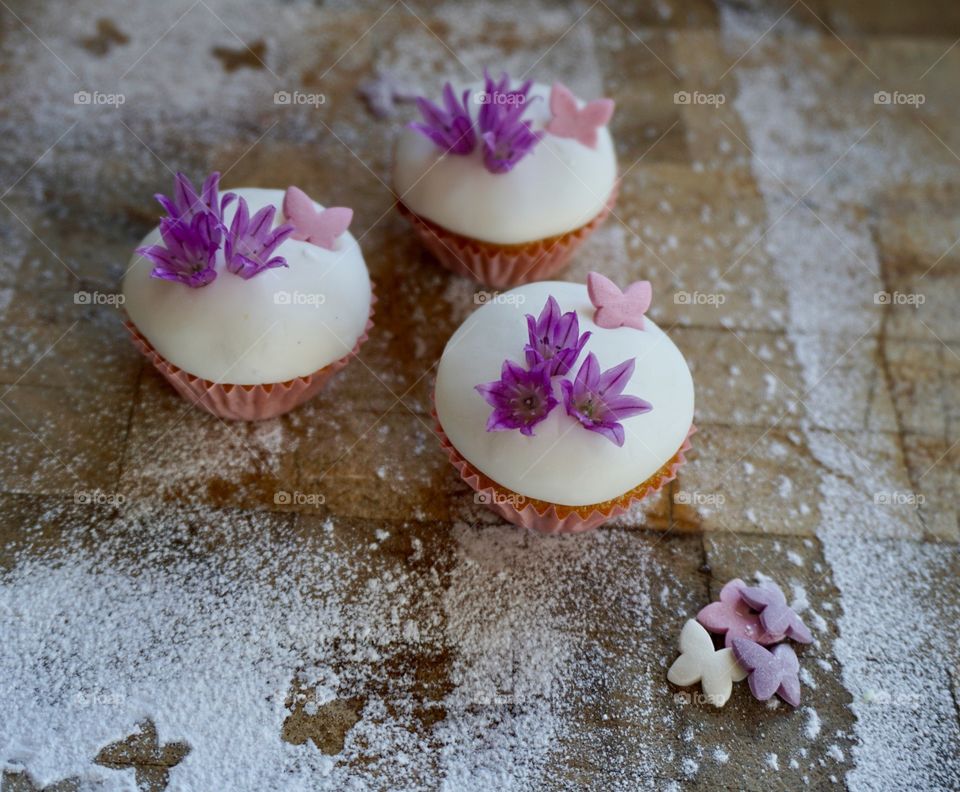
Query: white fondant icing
{"points": [[281, 324], [562, 463], [557, 188]]}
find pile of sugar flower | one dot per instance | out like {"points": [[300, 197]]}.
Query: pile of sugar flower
{"points": [[524, 396], [749, 618], [194, 231], [501, 131]]}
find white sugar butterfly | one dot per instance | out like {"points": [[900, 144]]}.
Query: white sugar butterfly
{"points": [[716, 671]]}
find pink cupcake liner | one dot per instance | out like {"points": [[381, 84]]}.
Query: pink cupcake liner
{"points": [[549, 518], [246, 402], [503, 266]]}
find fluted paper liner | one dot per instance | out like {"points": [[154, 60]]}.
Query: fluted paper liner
{"points": [[503, 266], [553, 518], [246, 402]]}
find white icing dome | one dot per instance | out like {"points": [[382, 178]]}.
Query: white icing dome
{"points": [[281, 324], [558, 187], [563, 463]]}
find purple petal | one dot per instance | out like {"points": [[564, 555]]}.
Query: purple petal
{"points": [[621, 407], [432, 135], [184, 195], [279, 235], [168, 206], [227, 199], [498, 422], [261, 222], [589, 375], [450, 129], [209, 190], [486, 390], [613, 432], [432, 114], [156, 253], [614, 380]]}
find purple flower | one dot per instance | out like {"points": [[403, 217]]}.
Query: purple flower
{"points": [[188, 251], [251, 241], [186, 204], [450, 129], [520, 398], [554, 339], [498, 99], [506, 138], [191, 233], [596, 399]]}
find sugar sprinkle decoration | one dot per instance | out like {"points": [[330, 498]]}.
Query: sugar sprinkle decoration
{"points": [[739, 616], [383, 92], [571, 121], [321, 228], [733, 618], [775, 615], [616, 308], [715, 670], [771, 672]]}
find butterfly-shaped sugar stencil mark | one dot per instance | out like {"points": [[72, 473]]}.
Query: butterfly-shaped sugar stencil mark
{"points": [[733, 617], [775, 615], [771, 672], [384, 91], [321, 228], [580, 123], [616, 308], [716, 671]]}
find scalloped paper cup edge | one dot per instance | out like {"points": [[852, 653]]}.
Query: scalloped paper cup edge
{"points": [[503, 266], [500, 500], [247, 402]]}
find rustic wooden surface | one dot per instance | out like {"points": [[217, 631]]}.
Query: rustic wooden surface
{"points": [[81, 413]]}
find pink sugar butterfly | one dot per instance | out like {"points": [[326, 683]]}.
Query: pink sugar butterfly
{"points": [[318, 228], [617, 308], [733, 618], [571, 121]]}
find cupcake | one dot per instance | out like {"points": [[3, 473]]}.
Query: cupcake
{"points": [[502, 184], [562, 404], [248, 301]]}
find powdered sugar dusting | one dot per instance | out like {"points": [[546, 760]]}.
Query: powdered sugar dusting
{"points": [[100, 638], [891, 621]]}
